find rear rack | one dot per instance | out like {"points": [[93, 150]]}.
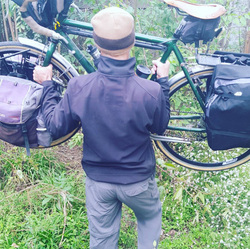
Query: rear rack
{"points": [[219, 57]]}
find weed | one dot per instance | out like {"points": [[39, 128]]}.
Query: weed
{"points": [[42, 205]]}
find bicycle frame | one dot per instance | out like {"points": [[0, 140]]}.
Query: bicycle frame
{"points": [[185, 141], [168, 46]]}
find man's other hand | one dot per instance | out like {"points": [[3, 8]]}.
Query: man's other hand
{"points": [[41, 74], [161, 69]]}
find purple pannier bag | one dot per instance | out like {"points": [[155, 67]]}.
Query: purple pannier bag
{"points": [[21, 122]]}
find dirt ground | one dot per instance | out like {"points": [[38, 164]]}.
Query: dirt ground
{"points": [[70, 157]]}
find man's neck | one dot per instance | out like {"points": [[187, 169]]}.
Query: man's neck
{"points": [[124, 56]]}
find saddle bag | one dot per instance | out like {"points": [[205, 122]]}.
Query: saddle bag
{"points": [[21, 120], [44, 11], [227, 113], [193, 29]]}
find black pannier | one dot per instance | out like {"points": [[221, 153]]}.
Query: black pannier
{"points": [[192, 30], [228, 107], [44, 11]]}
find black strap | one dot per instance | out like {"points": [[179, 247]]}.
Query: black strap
{"points": [[24, 14], [26, 140]]}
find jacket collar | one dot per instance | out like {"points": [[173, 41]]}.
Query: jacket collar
{"points": [[114, 67]]}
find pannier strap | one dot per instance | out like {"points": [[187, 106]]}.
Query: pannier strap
{"points": [[202, 11], [26, 139]]}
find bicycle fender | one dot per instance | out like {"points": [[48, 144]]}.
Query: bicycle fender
{"points": [[58, 57], [191, 71]]}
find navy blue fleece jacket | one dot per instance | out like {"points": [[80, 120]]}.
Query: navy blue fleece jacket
{"points": [[117, 111]]}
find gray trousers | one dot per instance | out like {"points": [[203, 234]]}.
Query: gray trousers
{"points": [[104, 205]]}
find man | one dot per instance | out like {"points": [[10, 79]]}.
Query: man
{"points": [[118, 111]]}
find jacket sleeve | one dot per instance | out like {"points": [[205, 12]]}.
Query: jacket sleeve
{"points": [[162, 112], [57, 112]]}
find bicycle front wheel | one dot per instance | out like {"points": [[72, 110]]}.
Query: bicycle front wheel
{"points": [[188, 146], [18, 60]]}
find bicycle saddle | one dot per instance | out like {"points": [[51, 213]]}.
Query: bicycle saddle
{"points": [[202, 11]]}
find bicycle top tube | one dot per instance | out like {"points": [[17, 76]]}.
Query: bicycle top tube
{"points": [[138, 36]]}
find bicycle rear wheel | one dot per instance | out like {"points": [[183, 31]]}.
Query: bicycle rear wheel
{"points": [[192, 150], [19, 60]]}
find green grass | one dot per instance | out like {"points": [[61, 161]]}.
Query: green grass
{"points": [[42, 205]]}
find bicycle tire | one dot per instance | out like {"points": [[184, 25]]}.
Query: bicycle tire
{"points": [[23, 65], [197, 154]]}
